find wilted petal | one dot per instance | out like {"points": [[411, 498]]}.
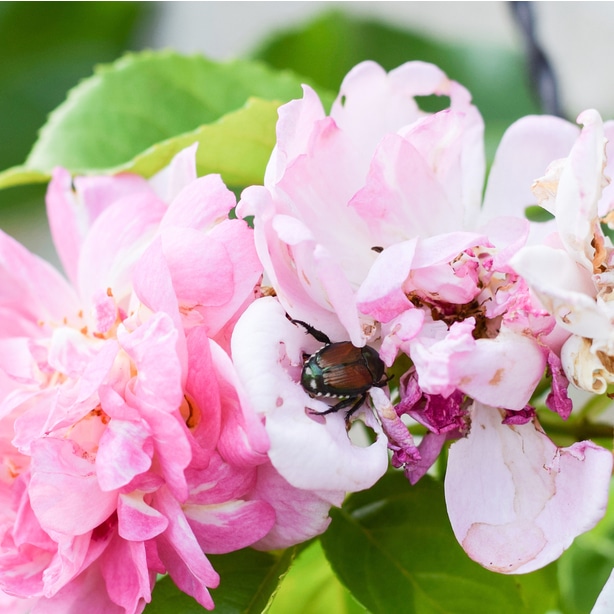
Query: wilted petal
{"points": [[580, 186], [514, 499], [583, 366], [564, 288]]}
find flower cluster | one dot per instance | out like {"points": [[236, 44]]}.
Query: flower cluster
{"points": [[129, 445], [155, 409]]}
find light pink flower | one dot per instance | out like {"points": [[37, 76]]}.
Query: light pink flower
{"points": [[129, 446], [371, 228], [572, 274]]}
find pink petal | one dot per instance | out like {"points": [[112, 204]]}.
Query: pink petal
{"points": [[181, 554], [372, 103], [153, 284], [515, 500], [88, 587], [213, 273], [231, 525], [157, 391], [243, 439], [172, 179], [138, 521], [123, 567], [201, 204], [33, 294], [381, 295], [296, 121], [114, 243], [503, 371], [64, 490], [402, 197], [299, 514], [203, 388], [71, 212], [125, 450], [526, 149]]}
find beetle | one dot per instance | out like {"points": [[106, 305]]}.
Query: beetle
{"points": [[342, 371]]}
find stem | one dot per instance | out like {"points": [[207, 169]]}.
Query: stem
{"points": [[541, 73], [580, 430]]}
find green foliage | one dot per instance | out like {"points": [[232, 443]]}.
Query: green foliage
{"points": [[585, 567], [237, 146], [311, 587], [168, 599], [249, 579], [535, 213], [393, 548], [144, 101]]}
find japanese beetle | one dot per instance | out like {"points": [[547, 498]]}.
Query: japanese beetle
{"points": [[342, 371]]}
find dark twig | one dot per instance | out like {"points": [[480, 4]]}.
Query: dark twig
{"points": [[542, 76]]}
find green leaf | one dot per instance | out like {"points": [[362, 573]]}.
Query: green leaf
{"points": [[393, 547], [145, 99], [166, 598], [535, 213], [585, 567], [249, 580], [311, 588], [22, 175], [238, 146]]}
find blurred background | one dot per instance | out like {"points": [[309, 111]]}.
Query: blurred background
{"points": [[48, 47]]}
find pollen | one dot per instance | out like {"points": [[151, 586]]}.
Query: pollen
{"points": [[496, 378]]}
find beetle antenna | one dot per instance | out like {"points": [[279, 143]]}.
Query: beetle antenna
{"points": [[314, 332]]}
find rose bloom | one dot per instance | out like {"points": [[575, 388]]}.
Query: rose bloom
{"points": [[371, 228], [129, 447]]}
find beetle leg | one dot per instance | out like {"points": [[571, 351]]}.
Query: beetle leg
{"points": [[361, 399], [355, 403], [314, 332]]}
